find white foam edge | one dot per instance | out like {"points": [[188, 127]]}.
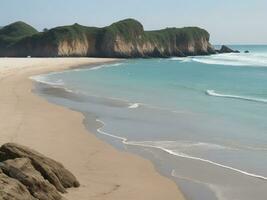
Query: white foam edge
{"points": [[133, 143]]}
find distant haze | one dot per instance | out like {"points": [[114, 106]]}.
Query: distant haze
{"points": [[228, 21]]}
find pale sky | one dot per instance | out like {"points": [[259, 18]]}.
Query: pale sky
{"points": [[228, 21]]}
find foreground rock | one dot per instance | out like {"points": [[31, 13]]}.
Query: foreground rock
{"points": [[23, 170], [226, 49], [42, 177], [12, 189]]}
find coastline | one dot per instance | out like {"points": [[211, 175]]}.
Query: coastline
{"points": [[104, 173]]}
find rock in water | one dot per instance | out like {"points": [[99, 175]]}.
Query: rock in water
{"points": [[12, 189], [226, 49], [51, 170], [22, 170]]}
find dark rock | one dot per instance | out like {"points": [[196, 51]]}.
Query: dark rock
{"points": [[51, 170], [226, 49], [12, 189], [22, 170], [246, 51]]}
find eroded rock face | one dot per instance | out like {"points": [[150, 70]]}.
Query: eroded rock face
{"points": [[141, 45], [28, 175], [22, 170], [51, 170], [12, 189]]}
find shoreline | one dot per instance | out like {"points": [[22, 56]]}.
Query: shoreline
{"points": [[31, 120]]}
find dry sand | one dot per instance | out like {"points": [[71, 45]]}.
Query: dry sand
{"points": [[104, 172]]}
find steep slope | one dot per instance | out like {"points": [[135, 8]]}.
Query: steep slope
{"points": [[75, 40], [15, 31], [125, 38]]}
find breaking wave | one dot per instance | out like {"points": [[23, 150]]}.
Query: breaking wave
{"points": [[232, 59], [134, 105], [105, 65], [213, 93]]}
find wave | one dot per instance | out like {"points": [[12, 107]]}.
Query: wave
{"points": [[213, 93], [182, 59], [99, 130], [45, 80], [156, 145], [105, 65], [59, 84], [134, 105], [232, 59]]}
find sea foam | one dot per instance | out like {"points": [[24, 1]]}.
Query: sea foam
{"points": [[213, 93], [134, 105], [234, 59], [105, 65], [157, 145], [231, 59], [45, 80]]}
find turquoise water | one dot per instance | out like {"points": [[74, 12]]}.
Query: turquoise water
{"points": [[204, 117]]}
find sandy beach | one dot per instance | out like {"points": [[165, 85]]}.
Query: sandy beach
{"points": [[104, 172]]}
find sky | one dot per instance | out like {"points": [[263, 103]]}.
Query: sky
{"points": [[227, 21]]}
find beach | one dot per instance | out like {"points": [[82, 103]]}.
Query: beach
{"points": [[57, 132], [170, 112]]}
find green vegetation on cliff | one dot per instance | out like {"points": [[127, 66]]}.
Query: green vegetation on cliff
{"points": [[177, 35], [109, 41], [15, 32], [129, 29], [73, 32], [55, 35]]}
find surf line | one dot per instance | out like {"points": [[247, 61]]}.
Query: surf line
{"points": [[213, 93], [126, 142]]}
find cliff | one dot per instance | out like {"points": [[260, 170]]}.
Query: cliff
{"points": [[124, 39]]}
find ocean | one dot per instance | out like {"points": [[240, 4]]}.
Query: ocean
{"points": [[201, 120]]}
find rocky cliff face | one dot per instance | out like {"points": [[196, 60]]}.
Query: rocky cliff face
{"points": [[135, 42], [125, 39], [73, 48]]}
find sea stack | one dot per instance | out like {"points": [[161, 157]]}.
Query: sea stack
{"points": [[226, 49]]}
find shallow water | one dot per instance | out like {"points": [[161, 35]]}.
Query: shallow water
{"points": [[202, 120]]}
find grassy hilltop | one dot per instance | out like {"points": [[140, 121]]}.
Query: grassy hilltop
{"points": [[14, 32]]}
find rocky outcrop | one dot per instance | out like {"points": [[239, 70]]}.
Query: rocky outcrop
{"points": [[12, 189], [226, 49], [32, 174], [125, 39], [22, 170]]}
